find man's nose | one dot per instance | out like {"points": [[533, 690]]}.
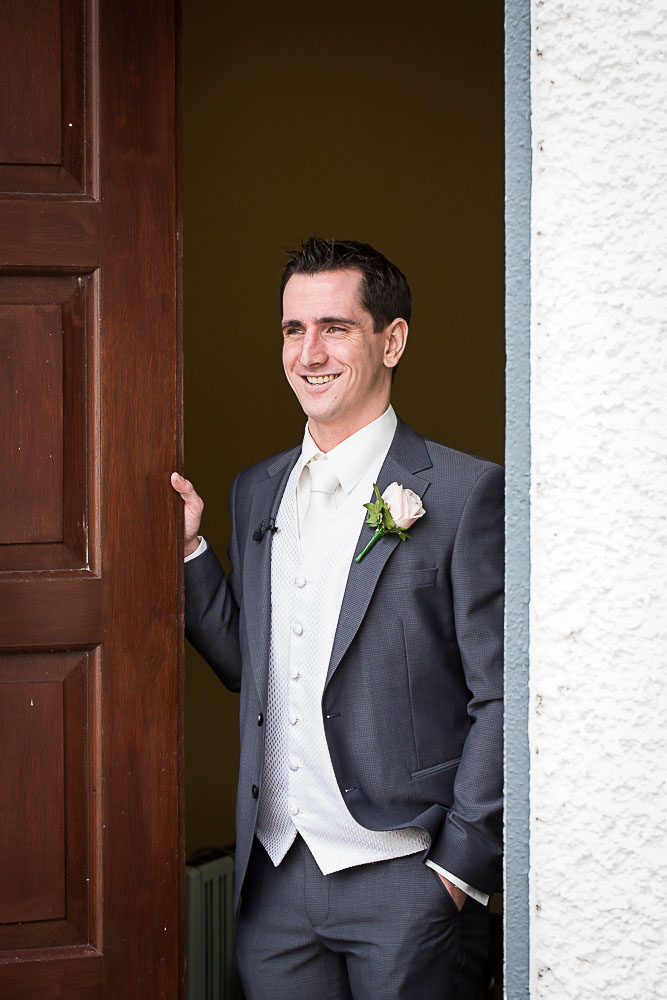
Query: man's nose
{"points": [[313, 349]]}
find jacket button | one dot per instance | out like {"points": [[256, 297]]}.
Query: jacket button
{"points": [[255, 792], [260, 719]]}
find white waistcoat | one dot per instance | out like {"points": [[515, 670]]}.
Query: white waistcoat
{"points": [[299, 788]]}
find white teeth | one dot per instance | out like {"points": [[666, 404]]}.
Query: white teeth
{"points": [[319, 379]]}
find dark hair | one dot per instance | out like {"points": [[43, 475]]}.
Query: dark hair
{"points": [[385, 293]]}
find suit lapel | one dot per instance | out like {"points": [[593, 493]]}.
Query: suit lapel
{"points": [[406, 456], [264, 503]]}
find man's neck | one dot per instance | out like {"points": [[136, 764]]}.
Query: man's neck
{"points": [[327, 437]]}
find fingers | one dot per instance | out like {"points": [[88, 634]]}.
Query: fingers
{"points": [[188, 493], [458, 895], [181, 485], [192, 510]]}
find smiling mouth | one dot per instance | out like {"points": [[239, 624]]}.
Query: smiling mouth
{"points": [[319, 379]]}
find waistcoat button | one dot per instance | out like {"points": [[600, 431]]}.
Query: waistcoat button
{"points": [[260, 719], [255, 792]]}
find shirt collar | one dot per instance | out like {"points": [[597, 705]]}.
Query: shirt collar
{"points": [[353, 456]]}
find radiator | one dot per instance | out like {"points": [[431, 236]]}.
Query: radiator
{"points": [[210, 970]]}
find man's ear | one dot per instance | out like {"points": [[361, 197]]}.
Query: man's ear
{"points": [[396, 337]]}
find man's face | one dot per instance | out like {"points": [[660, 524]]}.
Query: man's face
{"points": [[339, 368]]}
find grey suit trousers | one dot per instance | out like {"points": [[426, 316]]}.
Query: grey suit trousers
{"points": [[388, 930]]}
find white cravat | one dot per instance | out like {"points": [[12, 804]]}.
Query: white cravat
{"points": [[323, 485]]}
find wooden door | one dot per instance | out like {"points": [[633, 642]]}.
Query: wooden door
{"points": [[90, 428]]}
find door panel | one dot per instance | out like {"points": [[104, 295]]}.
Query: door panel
{"points": [[90, 573], [48, 373], [48, 51], [49, 716]]}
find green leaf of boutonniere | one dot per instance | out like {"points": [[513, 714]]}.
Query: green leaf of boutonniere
{"points": [[381, 520]]}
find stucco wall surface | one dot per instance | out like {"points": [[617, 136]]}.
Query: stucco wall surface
{"points": [[598, 725]]}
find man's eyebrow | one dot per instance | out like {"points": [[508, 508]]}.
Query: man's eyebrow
{"points": [[338, 319], [321, 321]]}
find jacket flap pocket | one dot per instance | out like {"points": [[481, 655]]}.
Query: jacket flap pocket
{"points": [[426, 772]]}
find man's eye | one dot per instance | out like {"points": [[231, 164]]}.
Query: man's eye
{"points": [[292, 331], [336, 329]]}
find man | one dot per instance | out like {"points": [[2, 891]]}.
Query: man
{"points": [[369, 799]]}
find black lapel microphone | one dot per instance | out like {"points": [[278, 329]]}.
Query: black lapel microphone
{"points": [[268, 524]]}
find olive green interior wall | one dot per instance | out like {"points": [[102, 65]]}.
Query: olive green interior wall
{"points": [[379, 121]]}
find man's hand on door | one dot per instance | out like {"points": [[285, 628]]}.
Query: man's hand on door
{"points": [[193, 507]]}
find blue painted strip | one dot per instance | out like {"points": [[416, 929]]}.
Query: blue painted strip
{"points": [[517, 303]]}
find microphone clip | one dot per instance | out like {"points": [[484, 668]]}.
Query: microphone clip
{"points": [[268, 524]]}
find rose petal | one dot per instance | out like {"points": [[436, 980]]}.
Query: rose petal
{"points": [[405, 506]]}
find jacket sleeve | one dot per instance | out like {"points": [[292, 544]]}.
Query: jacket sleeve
{"points": [[470, 841], [212, 603]]}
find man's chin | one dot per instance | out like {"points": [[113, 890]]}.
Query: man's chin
{"points": [[320, 415], [317, 407]]}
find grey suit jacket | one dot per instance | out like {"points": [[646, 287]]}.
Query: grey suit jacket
{"points": [[412, 704]]}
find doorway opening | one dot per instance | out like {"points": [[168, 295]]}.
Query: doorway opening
{"points": [[377, 122]]}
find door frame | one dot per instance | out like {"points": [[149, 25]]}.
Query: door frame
{"points": [[518, 166]]}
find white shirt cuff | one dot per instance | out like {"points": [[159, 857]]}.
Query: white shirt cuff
{"points": [[481, 897], [201, 548]]}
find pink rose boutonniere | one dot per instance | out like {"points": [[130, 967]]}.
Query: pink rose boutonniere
{"points": [[392, 514]]}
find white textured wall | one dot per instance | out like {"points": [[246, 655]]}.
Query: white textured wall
{"points": [[599, 501]]}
